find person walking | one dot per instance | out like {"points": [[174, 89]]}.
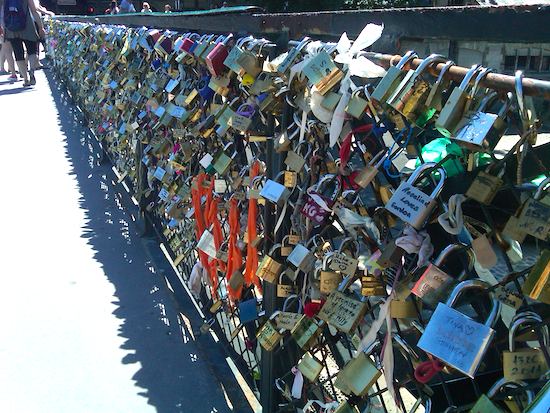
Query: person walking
{"points": [[19, 26], [6, 55], [6, 52], [126, 6]]}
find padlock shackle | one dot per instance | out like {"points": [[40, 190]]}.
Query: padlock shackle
{"points": [[418, 172], [487, 100], [292, 297], [468, 77], [518, 84], [450, 249], [406, 347], [348, 240], [407, 57], [541, 189], [427, 62], [274, 248], [523, 319], [476, 284], [378, 158], [480, 76], [326, 261], [500, 383], [506, 106]]}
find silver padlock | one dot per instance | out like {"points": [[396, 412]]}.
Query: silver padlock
{"points": [[301, 258], [455, 338], [412, 205], [482, 130], [274, 191]]}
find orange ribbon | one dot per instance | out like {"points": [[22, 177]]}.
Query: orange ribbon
{"points": [[234, 255], [251, 251], [197, 192]]}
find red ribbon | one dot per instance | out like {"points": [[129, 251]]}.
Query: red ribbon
{"points": [[426, 370]]}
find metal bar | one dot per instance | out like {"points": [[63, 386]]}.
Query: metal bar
{"points": [[496, 81]]}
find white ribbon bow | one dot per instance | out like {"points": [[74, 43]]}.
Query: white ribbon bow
{"points": [[360, 65]]}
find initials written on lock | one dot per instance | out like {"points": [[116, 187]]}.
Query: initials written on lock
{"points": [[408, 199]]}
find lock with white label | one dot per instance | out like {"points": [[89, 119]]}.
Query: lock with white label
{"points": [[412, 205]]}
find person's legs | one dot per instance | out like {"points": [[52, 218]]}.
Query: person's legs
{"points": [[32, 52], [17, 45], [6, 46]]}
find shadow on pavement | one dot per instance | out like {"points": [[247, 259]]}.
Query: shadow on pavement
{"points": [[174, 375]]}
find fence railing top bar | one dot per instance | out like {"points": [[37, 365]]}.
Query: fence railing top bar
{"points": [[495, 81]]}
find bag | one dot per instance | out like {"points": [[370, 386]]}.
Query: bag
{"points": [[15, 15]]}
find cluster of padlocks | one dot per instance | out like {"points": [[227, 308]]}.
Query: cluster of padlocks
{"points": [[362, 227]]}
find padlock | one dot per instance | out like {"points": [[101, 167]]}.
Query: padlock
{"points": [[481, 131], [537, 283], [290, 179], [255, 187], [434, 101], [269, 268], [357, 105], [358, 375], [485, 186], [301, 258], [283, 68], [210, 45], [343, 260], [322, 72], [410, 96], [214, 60], [249, 61], [284, 140], [268, 336], [305, 332], [534, 218], [454, 108], [511, 403], [286, 290], [435, 285], [310, 367], [455, 338], [369, 172], [222, 160], [275, 192], [295, 160], [342, 312], [321, 197], [412, 205], [527, 111], [523, 364], [481, 246], [392, 78], [329, 280]]}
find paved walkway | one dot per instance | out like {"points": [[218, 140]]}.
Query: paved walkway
{"points": [[86, 324]]}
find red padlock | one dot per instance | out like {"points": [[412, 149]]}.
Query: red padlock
{"points": [[214, 60], [188, 43]]}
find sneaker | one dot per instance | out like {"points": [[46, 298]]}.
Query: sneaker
{"points": [[26, 83], [32, 78], [12, 77]]}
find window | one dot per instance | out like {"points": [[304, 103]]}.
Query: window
{"points": [[529, 60], [510, 63]]}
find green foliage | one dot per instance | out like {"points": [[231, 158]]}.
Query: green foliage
{"points": [[292, 6], [382, 4]]}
